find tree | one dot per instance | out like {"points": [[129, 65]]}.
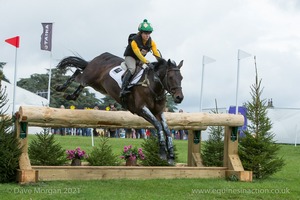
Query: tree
{"points": [[44, 150], [151, 152], [213, 149], [171, 104], [106, 101], [10, 149], [2, 75], [257, 149], [102, 155]]}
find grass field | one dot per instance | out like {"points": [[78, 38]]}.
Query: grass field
{"points": [[283, 185]]}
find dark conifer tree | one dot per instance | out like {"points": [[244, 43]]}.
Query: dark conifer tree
{"points": [[10, 150], [258, 151]]}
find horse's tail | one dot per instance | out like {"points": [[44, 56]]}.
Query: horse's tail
{"points": [[72, 61]]}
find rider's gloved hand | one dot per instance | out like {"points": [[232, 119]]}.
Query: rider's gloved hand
{"points": [[150, 65]]}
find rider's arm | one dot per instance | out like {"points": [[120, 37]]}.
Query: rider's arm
{"points": [[154, 49], [137, 52]]}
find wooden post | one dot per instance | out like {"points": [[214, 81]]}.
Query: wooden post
{"points": [[231, 158], [194, 148], [25, 174]]}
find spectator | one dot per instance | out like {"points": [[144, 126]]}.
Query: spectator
{"points": [[112, 131], [181, 134], [140, 133]]}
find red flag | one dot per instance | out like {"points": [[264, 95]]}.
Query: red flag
{"points": [[15, 41]]}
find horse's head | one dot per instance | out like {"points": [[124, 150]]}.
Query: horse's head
{"points": [[172, 79]]}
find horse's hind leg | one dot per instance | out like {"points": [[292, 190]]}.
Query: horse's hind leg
{"points": [[61, 88], [170, 146], [146, 114], [76, 94]]}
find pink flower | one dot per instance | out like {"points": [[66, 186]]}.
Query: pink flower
{"points": [[77, 153], [132, 153]]}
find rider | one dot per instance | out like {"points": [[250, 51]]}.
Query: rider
{"points": [[136, 51]]}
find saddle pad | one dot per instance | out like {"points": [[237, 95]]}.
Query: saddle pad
{"points": [[117, 72]]}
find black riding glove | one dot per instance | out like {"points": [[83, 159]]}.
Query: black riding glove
{"points": [[150, 65]]}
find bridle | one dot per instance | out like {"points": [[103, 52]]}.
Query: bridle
{"points": [[163, 83], [170, 90], [165, 86]]}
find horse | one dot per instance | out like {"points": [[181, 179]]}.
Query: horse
{"points": [[147, 97]]}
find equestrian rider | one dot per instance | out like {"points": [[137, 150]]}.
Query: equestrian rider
{"points": [[136, 51]]}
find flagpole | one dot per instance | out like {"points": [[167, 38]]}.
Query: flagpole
{"points": [[237, 83], [15, 83], [201, 91], [237, 76], [49, 81], [204, 61]]}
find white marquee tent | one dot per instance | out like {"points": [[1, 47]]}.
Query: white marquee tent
{"points": [[285, 125], [23, 97]]}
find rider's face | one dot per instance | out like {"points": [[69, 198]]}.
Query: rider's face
{"points": [[146, 35]]}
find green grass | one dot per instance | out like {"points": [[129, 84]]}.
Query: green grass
{"points": [[283, 185]]}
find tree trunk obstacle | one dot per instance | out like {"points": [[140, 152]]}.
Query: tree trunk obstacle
{"points": [[193, 122]]}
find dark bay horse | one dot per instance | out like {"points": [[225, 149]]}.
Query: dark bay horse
{"points": [[147, 100]]}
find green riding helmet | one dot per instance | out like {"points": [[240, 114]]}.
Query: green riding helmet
{"points": [[145, 26]]}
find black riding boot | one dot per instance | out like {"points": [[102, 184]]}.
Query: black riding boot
{"points": [[125, 83]]}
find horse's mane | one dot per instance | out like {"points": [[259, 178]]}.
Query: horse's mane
{"points": [[159, 63]]}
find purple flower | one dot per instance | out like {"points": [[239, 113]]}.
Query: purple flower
{"points": [[132, 153], [77, 153]]}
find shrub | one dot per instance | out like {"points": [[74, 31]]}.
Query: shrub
{"points": [[213, 149], [151, 151], [44, 150], [9, 153], [102, 155], [10, 150]]}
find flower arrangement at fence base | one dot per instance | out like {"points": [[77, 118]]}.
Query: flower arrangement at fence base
{"points": [[76, 156], [132, 154]]}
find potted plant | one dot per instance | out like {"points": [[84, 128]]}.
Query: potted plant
{"points": [[132, 154], [76, 156]]}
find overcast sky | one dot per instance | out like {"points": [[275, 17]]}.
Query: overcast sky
{"points": [[183, 30]]}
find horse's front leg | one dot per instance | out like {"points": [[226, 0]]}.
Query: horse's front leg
{"points": [[170, 147], [146, 114]]}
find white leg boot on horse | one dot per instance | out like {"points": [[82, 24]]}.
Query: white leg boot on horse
{"points": [[171, 156], [162, 146]]}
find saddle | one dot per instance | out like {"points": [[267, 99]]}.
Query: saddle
{"points": [[117, 74]]}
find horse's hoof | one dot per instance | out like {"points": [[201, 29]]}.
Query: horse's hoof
{"points": [[171, 161]]}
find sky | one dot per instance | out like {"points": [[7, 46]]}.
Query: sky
{"points": [[183, 30]]}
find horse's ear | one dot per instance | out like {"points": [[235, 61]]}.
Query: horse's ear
{"points": [[180, 64]]}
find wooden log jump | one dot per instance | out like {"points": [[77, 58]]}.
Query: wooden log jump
{"points": [[193, 122]]}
